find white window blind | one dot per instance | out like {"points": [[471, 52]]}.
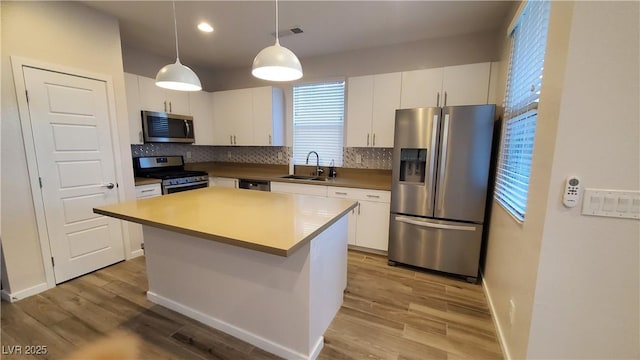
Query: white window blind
{"points": [[318, 122], [529, 39]]}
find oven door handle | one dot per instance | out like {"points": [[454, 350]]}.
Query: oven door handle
{"points": [[165, 188], [407, 220]]}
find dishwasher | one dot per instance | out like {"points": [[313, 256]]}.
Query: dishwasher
{"points": [[260, 185]]}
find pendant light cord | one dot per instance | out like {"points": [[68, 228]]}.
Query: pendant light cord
{"points": [[277, 37], [175, 28]]}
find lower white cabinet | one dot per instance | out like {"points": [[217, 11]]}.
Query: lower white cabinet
{"points": [[369, 222], [300, 189], [147, 191], [223, 182]]}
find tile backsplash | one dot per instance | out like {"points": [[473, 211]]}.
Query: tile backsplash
{"points": [[359, 158]]}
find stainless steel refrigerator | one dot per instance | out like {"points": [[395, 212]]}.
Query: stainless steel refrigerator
{"points": [[441, 160]]}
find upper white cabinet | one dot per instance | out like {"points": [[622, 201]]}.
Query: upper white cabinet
{"points": [[371, 105], [155, 98], [232, 117], [253, 116], [133, 108], [448, 86], [201, 105], [268, 116]]}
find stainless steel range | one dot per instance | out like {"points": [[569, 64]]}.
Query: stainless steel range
{"points": [[170, 169]]}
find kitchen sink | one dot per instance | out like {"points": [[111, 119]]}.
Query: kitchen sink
{"points": [[303, 177]]}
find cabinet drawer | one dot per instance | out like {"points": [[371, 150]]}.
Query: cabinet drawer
{"points": [[145, 191], [360, 194], [302, 189]]}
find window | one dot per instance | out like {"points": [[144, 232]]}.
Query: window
{"points": [[318, 121], [529, 39]]}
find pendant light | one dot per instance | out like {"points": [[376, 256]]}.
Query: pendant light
{"points": [[276, 63], [177, 76]]}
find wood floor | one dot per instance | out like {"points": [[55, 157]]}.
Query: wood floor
{"points": [[388, 313]]}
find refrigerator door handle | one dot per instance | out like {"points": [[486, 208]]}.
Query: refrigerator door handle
{"points": [[407, 220], [443, 158]]}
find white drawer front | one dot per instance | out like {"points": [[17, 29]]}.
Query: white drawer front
{"points": [[360, 194], [145, 191], [302, 189]]}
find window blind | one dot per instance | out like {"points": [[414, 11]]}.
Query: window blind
{"points": [[318, 122], [529, 40]]}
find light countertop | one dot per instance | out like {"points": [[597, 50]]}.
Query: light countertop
{"points": [[268, 222], [353, 178], [146, 181]]}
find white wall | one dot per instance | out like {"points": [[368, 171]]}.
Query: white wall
{"points": [[587, 301], [574, 291], [58, 33]]}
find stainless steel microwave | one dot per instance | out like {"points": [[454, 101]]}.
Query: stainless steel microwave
{"points": [[167, 128]]}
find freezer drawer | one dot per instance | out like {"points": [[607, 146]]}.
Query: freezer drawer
{"points": [[446, 246]]}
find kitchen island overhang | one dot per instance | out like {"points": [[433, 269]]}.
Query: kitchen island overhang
{"points": [[275, 282]]}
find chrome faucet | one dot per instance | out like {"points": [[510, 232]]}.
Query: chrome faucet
{"points": [[318, 170]]}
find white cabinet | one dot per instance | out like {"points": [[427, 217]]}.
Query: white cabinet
{"points": [[223, 182], [155, 98], [133, 108], [147, 191], [447, 86], [201, 104], [371, 104], [268, 116], [300, 189], [232, 117], [253, 116], [370, 218]]}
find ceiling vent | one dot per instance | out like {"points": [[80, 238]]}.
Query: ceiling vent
{"points": [[293, 31]]}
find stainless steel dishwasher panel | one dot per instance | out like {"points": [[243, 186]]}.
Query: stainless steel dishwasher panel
{"points": [[260, 185]]}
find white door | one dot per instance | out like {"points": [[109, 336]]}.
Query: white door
{"points": [[359, 111], [373, 225], [421, 88], [386, 99], [466, 84], [70, 124]]}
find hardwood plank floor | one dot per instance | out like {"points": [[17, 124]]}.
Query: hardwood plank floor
{"points": [[388, 313]]}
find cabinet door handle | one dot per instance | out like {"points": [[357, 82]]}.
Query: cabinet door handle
{"points": [[374, 139], [445, 99], [340, 193], [231, 139], [170, 109], [141, 138], [234, 140], [165, 106], [358, 208], [148, 190], [367, 139], [373, 196], [269, 139], [438, 98]]}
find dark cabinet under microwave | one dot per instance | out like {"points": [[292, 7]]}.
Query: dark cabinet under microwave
{"points": [[167, 128]]}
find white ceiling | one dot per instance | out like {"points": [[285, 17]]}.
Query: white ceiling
{"points": [[243, 28]]}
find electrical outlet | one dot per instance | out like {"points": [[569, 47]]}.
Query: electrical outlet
{"points": [[358, 159], [512, 311], [228, 154], [188, 154], [279, 155]]}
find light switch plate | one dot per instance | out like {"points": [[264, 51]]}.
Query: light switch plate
{"points": [[611, 203]]}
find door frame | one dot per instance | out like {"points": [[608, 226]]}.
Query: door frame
{"points": [[17, 64]]}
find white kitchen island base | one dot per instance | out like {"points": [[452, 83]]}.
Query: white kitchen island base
{"points": [[280, 304]]}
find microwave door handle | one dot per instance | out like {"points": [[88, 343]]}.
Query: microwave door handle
{"points": [[407, 220], [187, 128]]}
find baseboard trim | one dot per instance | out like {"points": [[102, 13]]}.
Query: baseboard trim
{"points": [[136, 253], [494, 317], [19, 295], [232, 330]]}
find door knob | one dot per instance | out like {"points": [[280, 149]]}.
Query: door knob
{"points": [[109, 186]]}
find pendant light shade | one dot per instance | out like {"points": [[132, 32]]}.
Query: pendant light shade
{"points": [[177, 76], [276, 62]]}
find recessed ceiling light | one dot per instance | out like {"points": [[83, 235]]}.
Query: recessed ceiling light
{"points": [[204, 27]]}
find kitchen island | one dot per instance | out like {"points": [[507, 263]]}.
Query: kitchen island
{"points": [[267, 268]]}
